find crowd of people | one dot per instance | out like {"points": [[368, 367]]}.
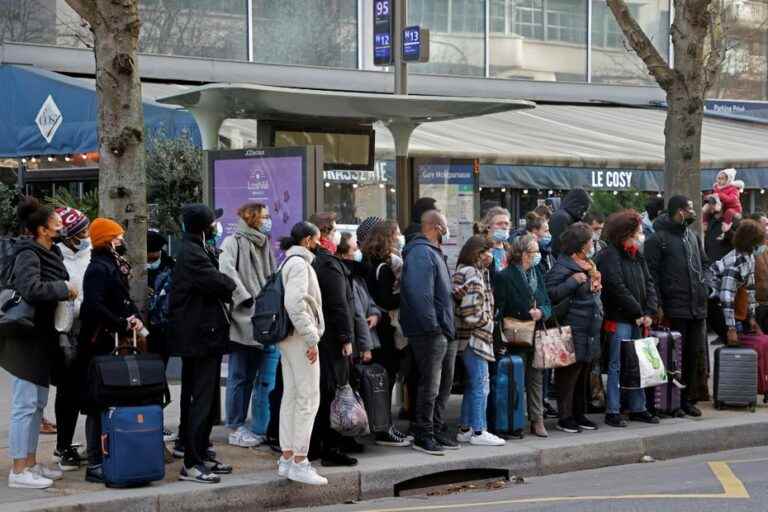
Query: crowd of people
{"points": [[374, 296]]}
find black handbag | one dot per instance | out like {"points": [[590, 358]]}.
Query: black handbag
{"points": [[130, 380], [15, 312]]}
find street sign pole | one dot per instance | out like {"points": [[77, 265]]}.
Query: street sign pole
{"points": [[401, 68]]}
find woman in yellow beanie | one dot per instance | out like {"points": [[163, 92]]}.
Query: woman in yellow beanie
{"points": [[107, 311]]}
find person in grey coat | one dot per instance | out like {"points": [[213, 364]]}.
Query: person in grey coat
{"points": [[247, 258]]}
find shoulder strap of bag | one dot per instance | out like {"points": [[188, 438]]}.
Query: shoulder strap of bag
{"points": [[237, 258]]}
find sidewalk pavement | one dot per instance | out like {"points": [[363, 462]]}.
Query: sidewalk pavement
{"points": [[256, 486]]}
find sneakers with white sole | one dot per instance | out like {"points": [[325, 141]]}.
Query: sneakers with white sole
{"points": [[46, 472], [304, 473], [464, 437], [486, 439], [243, 438], [28, 480], [283, 466]]}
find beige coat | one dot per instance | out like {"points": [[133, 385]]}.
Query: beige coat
{"points": [[303, 301]]}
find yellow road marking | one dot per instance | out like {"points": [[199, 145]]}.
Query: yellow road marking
{"points": [[732, 489]]}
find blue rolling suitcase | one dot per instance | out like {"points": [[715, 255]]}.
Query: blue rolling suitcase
{"points": [[506, 403], [132, 445]]}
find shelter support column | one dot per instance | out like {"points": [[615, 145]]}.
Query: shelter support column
{"points": [[209, 123], [401, 133]]}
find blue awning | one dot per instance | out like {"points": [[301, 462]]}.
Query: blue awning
{"points": [[67, 111]]}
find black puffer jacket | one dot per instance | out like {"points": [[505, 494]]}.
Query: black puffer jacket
{"points": [[628, 290], [585, 314], [106, 306], [574, 206], [335, 281], [676, 261], [40, 277], [200, 297]]}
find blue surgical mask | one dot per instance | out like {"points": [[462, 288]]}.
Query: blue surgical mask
{"points": [[591, 252], [357, 255], [536, 259], [500, 235], [266, 226], [84, 245], [400, 242], [761, 250], [546, 241], [154, 265]]}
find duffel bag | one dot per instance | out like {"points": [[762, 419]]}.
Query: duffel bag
{"points": [[129, 380]]}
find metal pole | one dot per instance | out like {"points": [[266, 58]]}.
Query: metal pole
{"points": [[401, 68]]}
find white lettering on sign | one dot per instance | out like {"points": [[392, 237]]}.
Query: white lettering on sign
{"points": [[611, 179]]}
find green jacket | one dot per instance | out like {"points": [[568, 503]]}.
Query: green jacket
{"points": [[513, 296]]}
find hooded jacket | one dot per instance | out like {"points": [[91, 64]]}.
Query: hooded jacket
{"points": [[676, 261], [40, 277], [574, 206], [335, 282], [426, 299], [303, 301]]}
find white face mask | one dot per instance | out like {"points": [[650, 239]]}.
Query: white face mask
{"points": [[641, 239], [336, 238], [357, 255], [400, 242]]}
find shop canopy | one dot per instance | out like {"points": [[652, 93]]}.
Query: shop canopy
{"points": [[46, 113]]}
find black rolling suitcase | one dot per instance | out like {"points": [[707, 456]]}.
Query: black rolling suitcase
{"points": [[372, 383], [735, 379]]}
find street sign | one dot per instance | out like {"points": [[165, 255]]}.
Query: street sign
{"points": [[382, 32], [415, 44]]}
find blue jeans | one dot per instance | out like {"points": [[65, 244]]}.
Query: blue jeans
{"points": [[475, 401], [28, 402], [265, 383], [244, 366], [635, 398]]}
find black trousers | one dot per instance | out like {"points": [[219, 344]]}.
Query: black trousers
{"points": [[572, 388], [695, 371], [93, 438], [333, 372], [67, 410], [200, 381]]}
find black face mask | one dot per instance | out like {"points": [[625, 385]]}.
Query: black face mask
{"points": [[689, 220], [121, 249]]}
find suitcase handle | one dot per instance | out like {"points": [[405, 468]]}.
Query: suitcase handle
{"points": [[133, 348], [104, 450]]}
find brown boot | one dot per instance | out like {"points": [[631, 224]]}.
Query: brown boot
{"points": [[538, 429]]}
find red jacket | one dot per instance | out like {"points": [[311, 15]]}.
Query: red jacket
{"points": [[729, 197]]}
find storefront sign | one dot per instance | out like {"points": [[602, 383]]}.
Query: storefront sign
{"points": [[378, 175], [48, 119], [612, 179], [275, 181]]}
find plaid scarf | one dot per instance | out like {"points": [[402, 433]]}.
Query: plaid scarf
{"points": [[122, 265]]}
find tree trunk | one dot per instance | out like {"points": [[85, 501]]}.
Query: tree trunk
{"points": [[122, 181]]}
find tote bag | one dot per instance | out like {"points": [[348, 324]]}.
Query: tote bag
{"points": [[554, 348], [641, 364]]}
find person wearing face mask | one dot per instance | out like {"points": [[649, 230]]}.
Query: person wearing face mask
{"points": [[676, 259], [575, 282], [107, 311], [629, 301], [496, 226], [200, 299], [427, 318], [40, 277], [75, 248], [335, 280], [158, 260], [596, 221], [520, 293], [247, 258]]}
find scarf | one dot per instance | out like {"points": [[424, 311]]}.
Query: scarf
{"points": [[254, 236], [328, 245], [631, 248], [122, 265], [530, 278]]}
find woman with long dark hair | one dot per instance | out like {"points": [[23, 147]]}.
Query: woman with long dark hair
{"points": [[40, 278]]}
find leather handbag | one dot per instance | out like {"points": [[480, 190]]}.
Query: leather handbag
{"points": [[519, 333], [126, 380], [554, 348], [15, 312]]}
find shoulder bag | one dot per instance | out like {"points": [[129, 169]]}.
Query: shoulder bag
{"points": [[554, 348]]}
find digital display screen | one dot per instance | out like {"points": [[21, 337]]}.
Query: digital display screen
{"points": [[382, 32], [411, 43]]}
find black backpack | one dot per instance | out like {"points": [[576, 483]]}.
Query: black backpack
{"points": [[7, 258], [270, 320]]}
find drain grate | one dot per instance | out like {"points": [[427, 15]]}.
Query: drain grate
{"points": [[424, 483]]}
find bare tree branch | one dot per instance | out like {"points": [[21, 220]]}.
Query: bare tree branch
{"points": [[643, 46]]}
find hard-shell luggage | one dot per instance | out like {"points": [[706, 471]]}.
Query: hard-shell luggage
{"points": [[735, 379], [132, 445], [758, 343], [372, 383], [126, 380], [666, 398], [506, 403]]}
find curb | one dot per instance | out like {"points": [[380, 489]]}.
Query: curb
{"points": [[264, 491]]}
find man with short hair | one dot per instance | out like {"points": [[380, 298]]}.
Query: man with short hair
{"points": [[426, 316], [596, 221], [676, 261]]}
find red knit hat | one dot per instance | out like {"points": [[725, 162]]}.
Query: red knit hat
{"points": [[103, 231], [74, 221]]}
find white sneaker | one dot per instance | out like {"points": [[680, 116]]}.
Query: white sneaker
{"points": [[46, 472], [244, 438], [283, 466], [486, 439], [305, 473], [28, 480], [464, 437]]}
